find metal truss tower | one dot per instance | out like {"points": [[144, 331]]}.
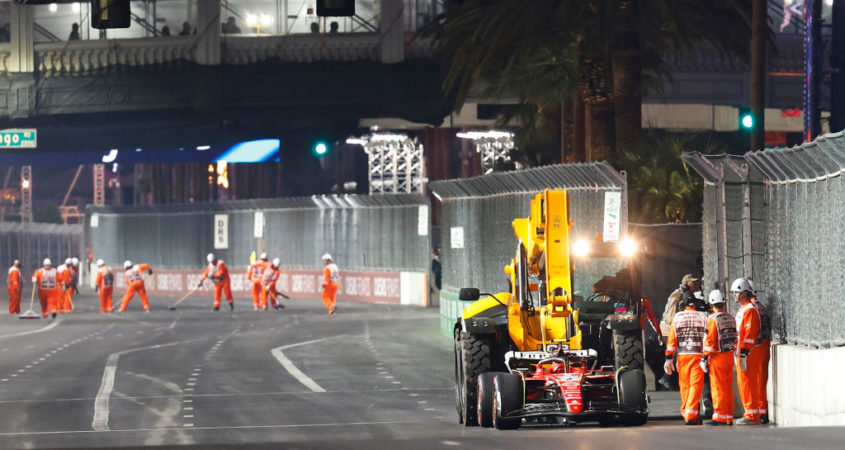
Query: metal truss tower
{"points": [[99, 184], [26, 194], [395, 163], [494, 146]]}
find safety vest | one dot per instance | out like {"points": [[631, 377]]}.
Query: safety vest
{"points": [[334, 274], [134, 274], [765, 321], [726, 328], [257, 272], [108, 276], [740, 315], [269, 275], [9, 276], [690, 328], [212, 271], [48, 278], [74, 275]]}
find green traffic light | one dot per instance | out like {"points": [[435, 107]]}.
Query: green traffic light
{"points": [[747, 121], [321, 149]]}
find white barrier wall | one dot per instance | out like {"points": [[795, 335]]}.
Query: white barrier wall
{"points": [[805, 387]]}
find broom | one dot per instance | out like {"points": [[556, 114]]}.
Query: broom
{"points": [[29, 313], [173, 306]]}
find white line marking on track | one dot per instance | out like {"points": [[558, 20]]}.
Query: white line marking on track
{"points": [[101, 402], [188, 416], [241, 427], [188, 408], [48, 327], [292, 369]]}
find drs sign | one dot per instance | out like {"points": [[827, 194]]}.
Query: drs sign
{"points": [[18, 138], [221, 231]]}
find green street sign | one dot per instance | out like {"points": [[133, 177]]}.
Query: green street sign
{"points": [[18, 138]]}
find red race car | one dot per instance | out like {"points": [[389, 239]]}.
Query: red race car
{"points": [[560, 387]]}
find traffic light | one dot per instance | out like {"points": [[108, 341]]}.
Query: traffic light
{"points": [[110, 14], [747, 121], [321, 148], [333, 8]]}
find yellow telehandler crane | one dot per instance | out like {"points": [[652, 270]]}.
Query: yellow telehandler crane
{"points": [[519, 355]]}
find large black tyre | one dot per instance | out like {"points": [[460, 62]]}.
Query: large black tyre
{"points": [[509, 395], [632, 396], [485, 399], [627, 349], [474, 360]]}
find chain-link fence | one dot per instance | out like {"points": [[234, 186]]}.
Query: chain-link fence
{"points": [[478, 239], [32, 242], [363, 233], [778, 218]]}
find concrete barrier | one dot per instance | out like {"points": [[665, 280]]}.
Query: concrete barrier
{"points": [[405, 288], [805, 387]]}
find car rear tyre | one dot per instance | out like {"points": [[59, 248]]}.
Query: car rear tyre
{"points": [[508, 397], [485, 399], [632, 396]]}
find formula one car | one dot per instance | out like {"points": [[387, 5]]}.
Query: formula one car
{"points": [[560, 388]]}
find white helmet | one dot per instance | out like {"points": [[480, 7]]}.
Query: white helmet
{"points": [[276, 262], [327, 257], [753, 288], [263, 256], [68, 261], [716, 296], [100, 263], [740, 285], [74, 261], [210, 257], [127, 264], [47, 262]]}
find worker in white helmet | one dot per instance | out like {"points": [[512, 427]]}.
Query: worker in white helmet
{"points": [[718, 359], [219, 274], [135, 283], [748, 366], [255, 274], [271, 275], [72, 282], [331, 279], [49, 288], [105, 286], [64, 277]]}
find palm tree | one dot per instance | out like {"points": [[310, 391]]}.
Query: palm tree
{"points": [[661, 186], [596, 47]]}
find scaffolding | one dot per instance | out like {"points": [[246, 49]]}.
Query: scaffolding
{"points": [[26, 194], [395, 163], [494, 147]]}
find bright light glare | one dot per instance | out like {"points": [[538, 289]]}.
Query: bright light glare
{"points": [[259, 150], [581, 248], [53, 7], [321, 149], [266, 20], [356, 141], [627, 248], [828, 2], [251, 20], [747, 121], [203, 147], [75, 7], [111, 156], [25, 184]]}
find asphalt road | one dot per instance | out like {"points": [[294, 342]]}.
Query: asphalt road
{"points": [[374, 376]]}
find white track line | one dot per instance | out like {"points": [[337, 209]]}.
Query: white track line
{"points": [[48, 327], [241, 427], [101, 402], [292, 369]]}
